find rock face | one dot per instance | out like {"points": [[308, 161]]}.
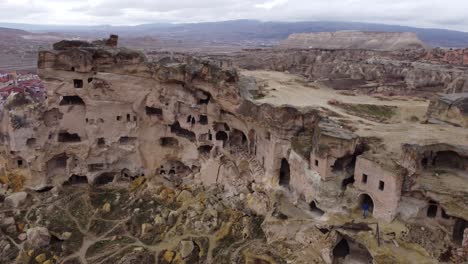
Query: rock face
{"points": [[383, 41], [177, 148], [16, 199], [367, 71], [450, 108]]}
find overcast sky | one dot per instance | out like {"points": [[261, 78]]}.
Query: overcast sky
{"points": [[451, 14]]}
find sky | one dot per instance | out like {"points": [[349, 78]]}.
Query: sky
{"points": [[447, 14]]}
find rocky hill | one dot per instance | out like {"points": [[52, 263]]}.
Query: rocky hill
{"points": [[353, 40]]}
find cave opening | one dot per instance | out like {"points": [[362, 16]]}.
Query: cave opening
{"points": [[448, 159], [341, 249], [458, 230], [203, 120], [284, 173], [66, 137], [77, 83], [168, 142], [76, 179], [71, 100], [347, 181], [182, 132], [104, 178], [205, 149], [313, 208], [432, 209]]}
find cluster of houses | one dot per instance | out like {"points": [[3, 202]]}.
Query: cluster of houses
{"points": [[21, 82]]}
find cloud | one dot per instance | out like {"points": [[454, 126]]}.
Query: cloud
{"points": [[271, 4], [422, 13]]}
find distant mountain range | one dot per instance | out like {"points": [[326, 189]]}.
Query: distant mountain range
{"points": [[245, 30]]}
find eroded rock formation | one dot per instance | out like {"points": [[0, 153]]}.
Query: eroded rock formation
{"points": [[174, 160]]}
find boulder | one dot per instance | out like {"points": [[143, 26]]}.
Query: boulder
{"points": [[16, 199], [38, 237], [186, 248]]}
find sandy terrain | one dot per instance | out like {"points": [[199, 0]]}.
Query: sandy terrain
{"points": [[404, 127]]}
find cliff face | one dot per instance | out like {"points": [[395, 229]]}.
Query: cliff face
{"points": [[383, 41], [397, 72]]}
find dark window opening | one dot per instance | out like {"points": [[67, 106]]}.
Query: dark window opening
{"points": [[68, 138], [71, 100], [193, 121], [181, 132], [134, 118], [127, 140], [205, 149], [210, 136], [284, 174], [90, 80], [20, 163], [381, 185], [153, 111], [104, 178], [316, 163], [364, 178], [313, 208], [101, 142], [432, 211], [267, 135], [189, 119], [78, 83], [72, 68], [341, 249], [76, 179], [169, 142], [86, 119], [129, 118], [203, 120], [118, 118]]}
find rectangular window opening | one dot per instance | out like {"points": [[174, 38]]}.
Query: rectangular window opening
{"points": [[381, 185], [364, 178]]}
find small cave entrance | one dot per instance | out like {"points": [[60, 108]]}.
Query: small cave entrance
{"points": [[127, 140], [153, 111], [448, 159], [341, 250], [347, 182], [349, 251], [203, 120], [205, 149], [76, 179], [57, 166], [238, 139], [366, 199], [458, 230], [31, 142], [432, 209], [203, 97], [104, 178], [78, 83], [182, 132], [284, 173], [168, 142], [313, 208], [101, 142], [71, 100], [66, 137], [221, 136]]}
